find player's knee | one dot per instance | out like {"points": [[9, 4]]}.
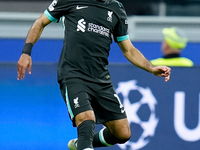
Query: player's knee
{"points": [[122, 141], [124, 135], [87, 115], [123, 138]]}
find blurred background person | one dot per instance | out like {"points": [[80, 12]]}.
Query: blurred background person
{"points": [[175, 40]]}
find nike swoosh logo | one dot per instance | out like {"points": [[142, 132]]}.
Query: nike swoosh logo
{"points": [[78, 7]]}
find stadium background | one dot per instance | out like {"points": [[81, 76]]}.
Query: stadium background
{"points": [[33, 114]]}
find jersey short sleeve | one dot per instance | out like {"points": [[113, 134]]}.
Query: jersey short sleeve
{"points": [[121, 30], [55, 10]]}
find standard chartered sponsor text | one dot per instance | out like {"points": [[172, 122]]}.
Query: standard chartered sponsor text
{"points": [[98, 29]]}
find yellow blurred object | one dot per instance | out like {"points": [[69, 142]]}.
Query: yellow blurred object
{"points": [[175, 37]]}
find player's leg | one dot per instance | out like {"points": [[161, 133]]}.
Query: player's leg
{"points": [[85, 123], [113, 116], [120, 129], [81, 114], [116, 132]]}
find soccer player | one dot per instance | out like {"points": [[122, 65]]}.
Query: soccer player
{"points": [[85, 82]]}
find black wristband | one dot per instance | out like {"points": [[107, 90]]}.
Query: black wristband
{"points": [[27, 48]]}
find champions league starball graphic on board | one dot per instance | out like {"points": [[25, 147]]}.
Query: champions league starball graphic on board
{"points": [[139, 104]]}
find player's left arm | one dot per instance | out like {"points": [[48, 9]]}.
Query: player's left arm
{"points": [[138, 59]]}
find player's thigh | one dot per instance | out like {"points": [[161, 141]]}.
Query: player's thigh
{"points": [[77, 101], [120, 128], [107, 105]]}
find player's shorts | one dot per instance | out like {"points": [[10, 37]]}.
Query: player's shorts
{"points": [[80, 96]]}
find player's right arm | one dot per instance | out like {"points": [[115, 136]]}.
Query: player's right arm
{"points": [[37, 28], [34, 33]]}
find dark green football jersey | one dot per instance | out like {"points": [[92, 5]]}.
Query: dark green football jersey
{"points": [[89, 26]]}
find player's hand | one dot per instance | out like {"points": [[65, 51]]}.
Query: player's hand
{"points": [[162, 71], [25, 62]]}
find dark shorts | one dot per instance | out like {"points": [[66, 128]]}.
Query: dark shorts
{"points": [[80, 96]]}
